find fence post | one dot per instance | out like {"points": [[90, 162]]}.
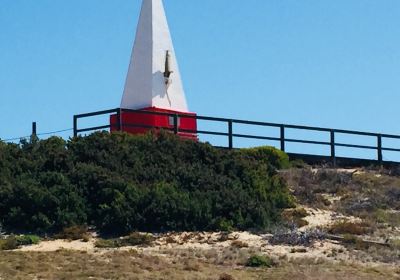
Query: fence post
{"points": [[282, 138], [230, 132], [119, 119], [75, 126], [333, 150], [176, 124], [34, 129], [380, 155]]}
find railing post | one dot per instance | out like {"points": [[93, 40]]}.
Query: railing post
{"points": [[380, 155], [34, 129], [176, 124], [230, 132], [119, 119], [282, 138], [333, 150], [75, 126]]}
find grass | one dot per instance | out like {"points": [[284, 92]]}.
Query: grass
{"points": [[131, 265]]}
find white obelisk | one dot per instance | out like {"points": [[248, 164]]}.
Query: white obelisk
{"points": [[153, 79]]}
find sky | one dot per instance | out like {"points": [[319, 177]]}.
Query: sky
{"points": [[306, 62]]}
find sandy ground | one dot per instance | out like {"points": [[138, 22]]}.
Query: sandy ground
{"points": [[217, 242], [322, 218], [55, 245], [203, 242], [206, 241]]}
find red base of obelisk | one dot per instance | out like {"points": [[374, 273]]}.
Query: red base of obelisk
{"points": [[140, 123]]}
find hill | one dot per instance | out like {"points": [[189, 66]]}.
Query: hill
{"points": [[345, 223]]}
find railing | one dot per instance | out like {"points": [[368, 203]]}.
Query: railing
{"points": [[282, 140]]}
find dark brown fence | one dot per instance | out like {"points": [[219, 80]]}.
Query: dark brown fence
{"points": [[231, 135]]}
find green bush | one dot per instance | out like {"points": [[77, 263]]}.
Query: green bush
{"points": [[260, 261], [14, 242], [269, 155], [122, 183], [24, 240]]}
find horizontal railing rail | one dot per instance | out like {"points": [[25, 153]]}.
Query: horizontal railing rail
{"points": [[282, 139]]}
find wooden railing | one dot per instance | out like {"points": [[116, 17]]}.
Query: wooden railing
{"points": [[231, 135]]}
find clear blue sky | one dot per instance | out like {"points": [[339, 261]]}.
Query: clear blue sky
{"points": [[321, 63]]}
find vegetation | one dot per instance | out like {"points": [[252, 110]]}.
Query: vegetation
{"points": [[349, 227], [372, 195], [134, 239], [260, 261], [295, 217], [74, 233], [121, 183], [294, 237], [361, 193], [239, 244], [14, 242], [133, 265], [226, 276]]}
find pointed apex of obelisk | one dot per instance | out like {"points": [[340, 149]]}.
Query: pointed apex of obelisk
{"points": [[153, 78]]}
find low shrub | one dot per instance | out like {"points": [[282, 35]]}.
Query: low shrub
{"points": [[107, 243], [226, 277], [310, 186], [134, 239], [170, 240], [24, 240], [298, 250], [391, 218], [395, 244], [298, 163], [74, 233], [350, 239], [295, 238], [224, 236], [137, 239], [191, 265], [270, 155], [14, 242], [239, 244], [260, 261], [355, 242], [348, 227], [294, 217], [10, 243]]}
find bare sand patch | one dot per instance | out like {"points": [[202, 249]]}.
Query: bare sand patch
{"points": [[55, 245]]}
